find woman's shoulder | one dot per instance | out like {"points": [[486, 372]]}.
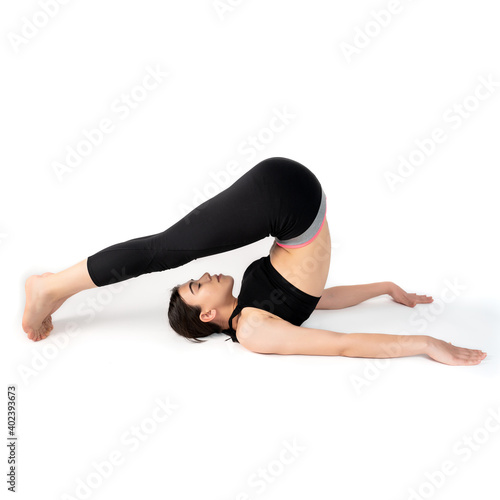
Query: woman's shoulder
{"points": [[263, 332], [250, 319]]}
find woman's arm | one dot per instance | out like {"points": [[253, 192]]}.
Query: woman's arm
{"points": [[273, 335], [338, 297]]}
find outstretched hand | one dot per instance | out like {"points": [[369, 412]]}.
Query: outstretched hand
{"points": [[408, 299], [448, 354]]}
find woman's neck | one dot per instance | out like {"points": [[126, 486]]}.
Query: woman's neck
{"points": [[226, 312]]}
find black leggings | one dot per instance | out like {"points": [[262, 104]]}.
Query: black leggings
{"points": [[277, 197]]}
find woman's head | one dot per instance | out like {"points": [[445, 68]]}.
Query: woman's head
{"points": [[201, 307]]}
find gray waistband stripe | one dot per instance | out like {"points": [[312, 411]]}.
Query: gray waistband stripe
{"points": [[313, 228]]}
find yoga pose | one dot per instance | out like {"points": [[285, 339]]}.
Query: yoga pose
{"points": [[277, 197]]}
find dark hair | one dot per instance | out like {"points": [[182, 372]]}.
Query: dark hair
{"points": [[185, 319]]}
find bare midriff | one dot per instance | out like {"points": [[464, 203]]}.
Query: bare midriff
{"points": [[305, 267]]}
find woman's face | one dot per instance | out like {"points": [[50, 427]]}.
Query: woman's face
{"points": [[209, 292]]}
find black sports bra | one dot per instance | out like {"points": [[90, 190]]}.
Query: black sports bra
{"points": [[265, 288]]}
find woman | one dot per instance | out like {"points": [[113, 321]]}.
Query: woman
{"points": [[277, 197]]}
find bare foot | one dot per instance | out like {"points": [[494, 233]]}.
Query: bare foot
{"points": [[40, 305]]}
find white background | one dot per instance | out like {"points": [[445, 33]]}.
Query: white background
{"points": [[362, 428]]}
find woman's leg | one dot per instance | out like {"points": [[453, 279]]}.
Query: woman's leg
{"points": [[264, 201]]}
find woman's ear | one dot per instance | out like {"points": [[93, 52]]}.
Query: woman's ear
{"points": [[208, 316]]}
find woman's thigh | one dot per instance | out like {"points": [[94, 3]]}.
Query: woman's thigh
{"points": [[306, 267]]}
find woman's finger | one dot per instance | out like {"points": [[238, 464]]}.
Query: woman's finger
{"points": [[424, 298]]}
